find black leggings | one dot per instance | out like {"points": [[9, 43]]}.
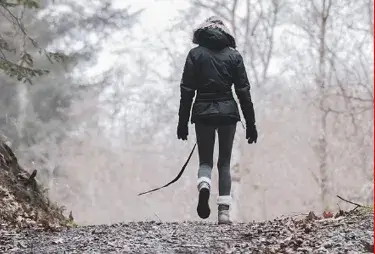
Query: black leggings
{"points": [[206, 141]]}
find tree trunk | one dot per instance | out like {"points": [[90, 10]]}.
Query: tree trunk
{"points": [[321, 79]]}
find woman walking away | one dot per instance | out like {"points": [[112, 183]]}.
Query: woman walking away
{"points": [[209, 72]]}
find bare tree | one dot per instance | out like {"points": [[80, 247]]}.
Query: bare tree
{"points": [[342, 76]]}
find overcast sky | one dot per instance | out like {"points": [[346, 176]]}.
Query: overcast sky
{"points": [[158, 13]]}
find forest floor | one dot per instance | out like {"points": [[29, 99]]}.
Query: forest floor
{"points": [[31, 223], [347, 234]]}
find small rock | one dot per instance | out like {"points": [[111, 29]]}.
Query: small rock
{"points": [[305, 249], [327, 245], [21, 245], [322, 250], [308, 229], [311, 216], [58, 241]]}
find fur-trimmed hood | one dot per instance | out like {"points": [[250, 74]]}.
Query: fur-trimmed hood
{"points": [[213, 34]]}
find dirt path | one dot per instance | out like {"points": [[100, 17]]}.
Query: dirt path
{"points": [[352, 234]]}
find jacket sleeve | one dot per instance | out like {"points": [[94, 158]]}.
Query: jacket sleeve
{"points": [[242, 89], [187, 90]]}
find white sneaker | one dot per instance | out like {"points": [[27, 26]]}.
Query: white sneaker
{"points": [[223, 217]]}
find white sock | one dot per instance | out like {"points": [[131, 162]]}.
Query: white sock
{"points": [[203, 182], [224, 200]]}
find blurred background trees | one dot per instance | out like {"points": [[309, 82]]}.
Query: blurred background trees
{"points": [[98, 116]]}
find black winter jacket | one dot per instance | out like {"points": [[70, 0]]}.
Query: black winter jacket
{"points": [[210, 71]]}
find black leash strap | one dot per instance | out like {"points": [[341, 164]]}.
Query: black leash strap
{"points": [[176, 178]]}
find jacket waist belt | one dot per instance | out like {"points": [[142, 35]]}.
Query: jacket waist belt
{"points": [[224, 96]]}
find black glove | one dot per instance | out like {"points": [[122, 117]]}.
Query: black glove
{"points": [[251, 134], [182, 131]]}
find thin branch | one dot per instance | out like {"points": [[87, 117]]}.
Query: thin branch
{"points": [[20, 25], [348, 201], [247, 27], [233, 18], [270, 38]]}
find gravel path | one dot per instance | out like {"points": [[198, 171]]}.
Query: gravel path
{"points": [[352, 234]]}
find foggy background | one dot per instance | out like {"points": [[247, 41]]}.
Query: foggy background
{"points": [[101, 126]]}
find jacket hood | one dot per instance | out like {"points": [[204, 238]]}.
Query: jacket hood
{"points": [[213, 34]]}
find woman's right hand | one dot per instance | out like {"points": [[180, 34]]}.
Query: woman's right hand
{"points": [[182, 131]]}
